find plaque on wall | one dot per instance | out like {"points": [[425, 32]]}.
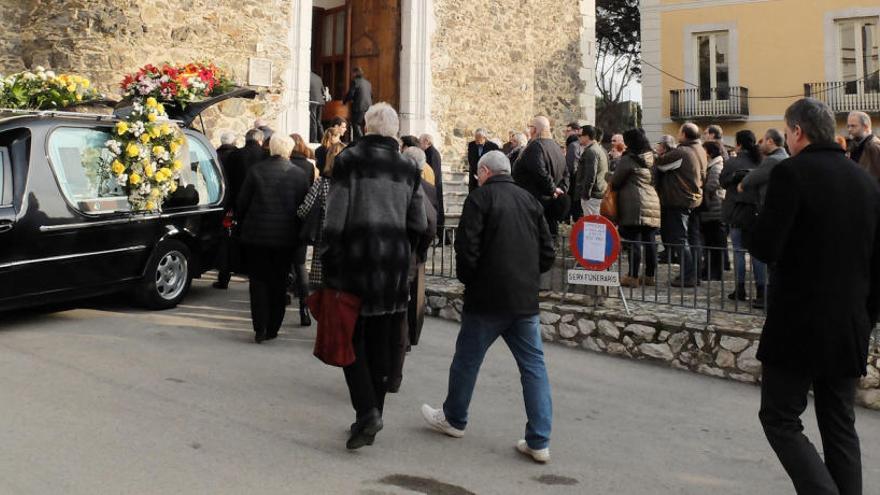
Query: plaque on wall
{"points": [[259, 72]]}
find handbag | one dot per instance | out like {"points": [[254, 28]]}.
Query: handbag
{"points": [[744, 217], [310, 228], [336, 313], [608, 207]]}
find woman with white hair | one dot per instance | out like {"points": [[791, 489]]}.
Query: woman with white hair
{"points": [[374, 208], [227, 147], [272, 191]]}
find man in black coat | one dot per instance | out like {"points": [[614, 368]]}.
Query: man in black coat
{"points": [[541, 171], [503, 241], [573, 150], [426, 142], [316, 107], [241, 160], [476, 149], [824, 297], [227, 147], [235, 168], [360, 94]]}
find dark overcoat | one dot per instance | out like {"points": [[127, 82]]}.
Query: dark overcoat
{"points": [[502, 247], [473, 156], [267, 203], [375, 216], [820, 225]]}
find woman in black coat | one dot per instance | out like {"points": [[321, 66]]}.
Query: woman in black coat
{"points": [[267, 204], [301, 157], [748, 157]]}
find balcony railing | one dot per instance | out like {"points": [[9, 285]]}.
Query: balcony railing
{"points": [[716, 104], [844, 97]]}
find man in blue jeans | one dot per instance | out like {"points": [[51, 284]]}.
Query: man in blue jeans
{"points": [[502, 247]]}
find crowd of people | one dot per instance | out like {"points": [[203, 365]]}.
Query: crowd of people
{"points": [[373, 207], [699, 194]]}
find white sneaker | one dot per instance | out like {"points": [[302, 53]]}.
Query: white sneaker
{"points": [[437, 420], [540, 455]]}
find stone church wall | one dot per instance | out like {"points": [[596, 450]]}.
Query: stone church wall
{"points": [[497, 64], [494, 64], [105, 39], [12, 16]]}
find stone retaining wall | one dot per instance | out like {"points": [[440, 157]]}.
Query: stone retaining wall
{"points": [[662, 335]]}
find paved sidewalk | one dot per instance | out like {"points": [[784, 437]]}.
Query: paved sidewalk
{"points": [[109, 399]]}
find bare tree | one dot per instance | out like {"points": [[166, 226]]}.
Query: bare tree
{"points": [[618, 53]]}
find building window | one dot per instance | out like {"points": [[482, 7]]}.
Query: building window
{"points": [[712, 53], [859, 58]]}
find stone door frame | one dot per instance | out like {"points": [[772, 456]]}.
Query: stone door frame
{"points": [[417, 28]]}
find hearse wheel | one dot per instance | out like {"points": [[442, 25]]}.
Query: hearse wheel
{"points": [[168, 276]]}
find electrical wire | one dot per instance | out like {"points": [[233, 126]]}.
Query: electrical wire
{"points": [[750, 97], [827, 89]]}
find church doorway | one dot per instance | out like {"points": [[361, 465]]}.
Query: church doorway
{"points": [[357, 33]]}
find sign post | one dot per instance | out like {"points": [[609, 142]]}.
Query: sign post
{"points": [[595, 245]]}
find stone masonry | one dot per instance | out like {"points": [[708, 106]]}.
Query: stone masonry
{"points": [[497, 64], [671, 337], [106, 39], [493, 64]]}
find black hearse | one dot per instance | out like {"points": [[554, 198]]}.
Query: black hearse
{"points": [[60, 239]]}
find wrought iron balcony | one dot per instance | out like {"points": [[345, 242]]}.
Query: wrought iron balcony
{"points": [[715, 104], [844, 97]]}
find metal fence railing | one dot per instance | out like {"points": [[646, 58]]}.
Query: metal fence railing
{"points": [[718, 273], [729, 102], [848, 96]]}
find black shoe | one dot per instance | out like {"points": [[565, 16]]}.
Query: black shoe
{"points": [[220, 285], [738, 295], [259, 336], [304, 319], [679, 282], [271, 336], [364, 431], [759, 301]]}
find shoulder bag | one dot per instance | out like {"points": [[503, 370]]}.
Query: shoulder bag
{"points": [[608, 207]]}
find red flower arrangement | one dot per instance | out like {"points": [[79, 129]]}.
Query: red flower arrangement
{"points": [[181, 84]]}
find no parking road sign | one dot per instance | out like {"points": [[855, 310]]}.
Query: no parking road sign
{"points": [[595, 243]]}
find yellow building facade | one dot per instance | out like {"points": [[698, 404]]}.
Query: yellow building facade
{"points": [[740, 63]]}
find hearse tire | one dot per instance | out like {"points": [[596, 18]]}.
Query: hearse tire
{"points": [[168, 276]]}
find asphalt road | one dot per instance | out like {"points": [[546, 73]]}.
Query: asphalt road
{"points": [[103, 398]]}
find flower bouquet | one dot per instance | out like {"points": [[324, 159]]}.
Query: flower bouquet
{"points": [[177, 84], [142, 156], [42, 89]]}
